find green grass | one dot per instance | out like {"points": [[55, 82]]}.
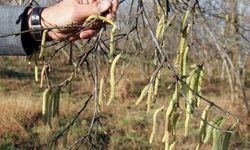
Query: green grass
{"points": [[7, 145]]}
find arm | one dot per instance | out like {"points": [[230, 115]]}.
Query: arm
{"points": [[12, 22], [66, 12]]}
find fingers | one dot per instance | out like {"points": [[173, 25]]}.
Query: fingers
{"points": [[112, 11], [96, 7], [83, 2], [115, 4], [86, 34], [109, 16], [91, 1], [108, 7]]}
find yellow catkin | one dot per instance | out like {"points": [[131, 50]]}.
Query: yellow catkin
{"points": [[188, 116], [100, 100], [203, 122], [209, 131], [200, 79], [42, 75], [160, 28], [43, 43], [184, 62], [50, 109], [45, 98], [182, 45], [56, 101], [216, 139], [36, 73], [168, 123], [157, 84], [169, 112], [111, 43], [142, 95], [189, 103], [150, 95], [51, 102], [45, 108], [166, 145], [184, 20], [203, 126], [198, 146], [53, 99], [112, 33], [101, 18], [194, 82], [155, 123], [174, 120], [183, 48], [171, 147], [190, 84], [112, 78], [36, 67], [183, 41]]}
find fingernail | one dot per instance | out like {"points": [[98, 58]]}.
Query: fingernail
{"points": [[104, 5], [109, 16]]}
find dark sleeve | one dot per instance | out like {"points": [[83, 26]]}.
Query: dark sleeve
{"points": [[13, 19]]}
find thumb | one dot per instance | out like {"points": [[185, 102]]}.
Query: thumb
{"points": [[95, 8]]}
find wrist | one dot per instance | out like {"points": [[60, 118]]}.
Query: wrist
{"points": [[36, 23]]}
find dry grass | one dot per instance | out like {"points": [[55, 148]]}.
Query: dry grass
{"points": [[20, 119], [17, 114], [127, 126]]}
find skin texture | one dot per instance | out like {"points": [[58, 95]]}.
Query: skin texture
{"points": [[69, 12]]}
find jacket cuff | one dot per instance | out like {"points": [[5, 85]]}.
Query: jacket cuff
{"points": [[28, 42], [13, 21]]}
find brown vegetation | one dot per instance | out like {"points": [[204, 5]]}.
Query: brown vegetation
{"points": [[123, 125], [126, 126]]}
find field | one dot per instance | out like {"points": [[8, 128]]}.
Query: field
{"points": [[126, 126], [186, 60]]}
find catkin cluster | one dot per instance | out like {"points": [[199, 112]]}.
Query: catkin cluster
{"points": [[51, 101], [150, 90], [189, 84], [112, 78]]}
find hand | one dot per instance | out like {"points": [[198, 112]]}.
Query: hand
{"points": [[69, 12]]}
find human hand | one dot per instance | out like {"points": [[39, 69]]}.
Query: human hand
{"points": [[69, 12]]}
